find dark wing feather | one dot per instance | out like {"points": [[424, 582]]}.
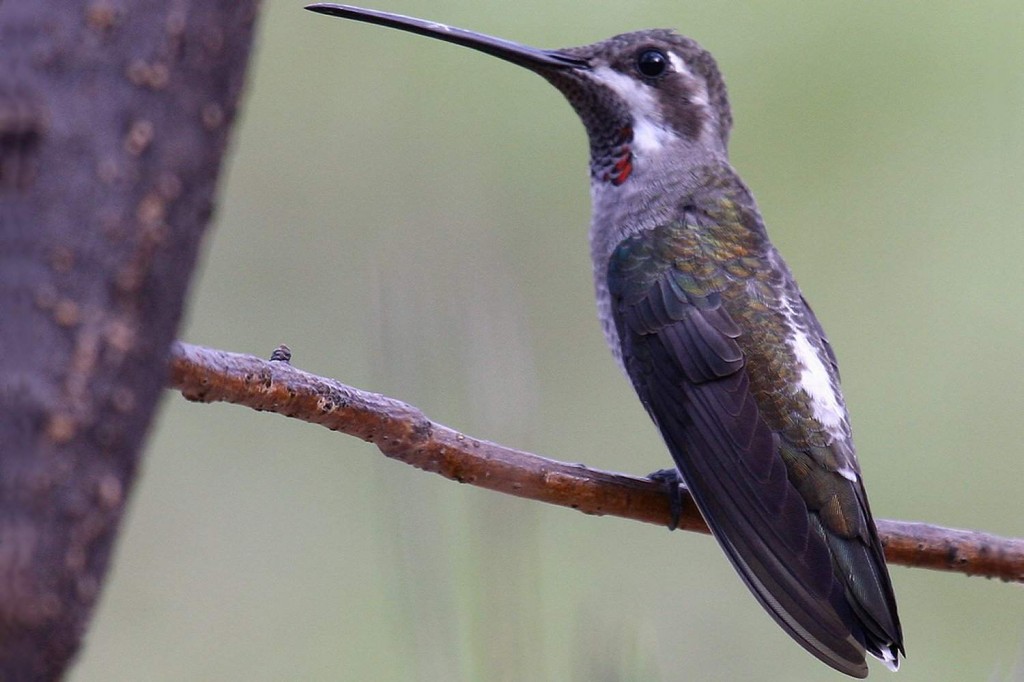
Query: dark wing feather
{"points": [[859, 548], [681, 348]]}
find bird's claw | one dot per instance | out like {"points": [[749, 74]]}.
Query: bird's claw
{"points": [[672, 481]]}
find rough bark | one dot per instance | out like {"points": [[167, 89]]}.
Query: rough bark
{"points": [[114, 118]]}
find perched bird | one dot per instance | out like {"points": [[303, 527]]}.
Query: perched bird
{"points": [[710, 326]]}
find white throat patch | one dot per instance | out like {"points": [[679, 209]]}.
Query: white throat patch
{"points": [[649, 133]]}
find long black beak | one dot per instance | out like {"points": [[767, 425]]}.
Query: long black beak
{"points": [[517, 53]]}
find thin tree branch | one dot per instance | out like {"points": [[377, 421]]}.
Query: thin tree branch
{"points": [[404, 433]]}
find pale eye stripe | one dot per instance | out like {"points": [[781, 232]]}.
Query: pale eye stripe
{"points": [[700, 96], [678, 65]]}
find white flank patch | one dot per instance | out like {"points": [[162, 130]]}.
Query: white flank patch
{"points": [[649, 136], [817, 383]]}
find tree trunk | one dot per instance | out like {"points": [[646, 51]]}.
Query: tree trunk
{"points": [[114, 119]]}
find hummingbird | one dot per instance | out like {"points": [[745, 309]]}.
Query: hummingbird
{"points": [[709, 325]]}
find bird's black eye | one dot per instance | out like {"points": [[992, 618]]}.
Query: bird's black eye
{"points": [[652, 63]]}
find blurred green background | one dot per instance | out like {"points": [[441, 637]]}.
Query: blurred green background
{"points": [[410, 217]]}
